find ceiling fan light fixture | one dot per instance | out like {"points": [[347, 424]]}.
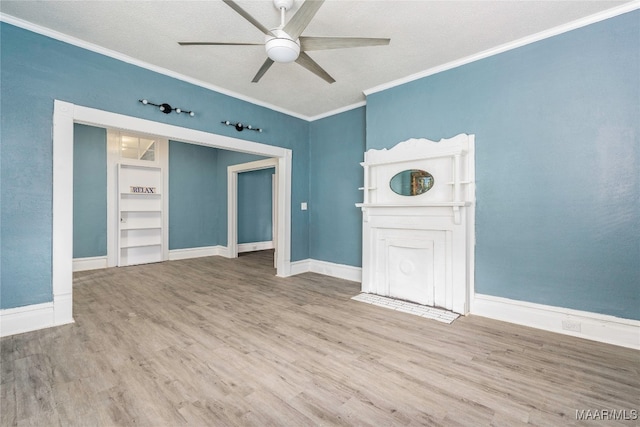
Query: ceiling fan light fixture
{"points": [[281, 48]]}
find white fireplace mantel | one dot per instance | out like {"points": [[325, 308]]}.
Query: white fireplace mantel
{"points": [[420, 248]]}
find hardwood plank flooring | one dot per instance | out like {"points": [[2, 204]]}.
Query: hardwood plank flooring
{"points": [[213, 341]]}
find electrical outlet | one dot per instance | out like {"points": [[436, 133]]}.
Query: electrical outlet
{"points": [[571, 325], [303, 206]]}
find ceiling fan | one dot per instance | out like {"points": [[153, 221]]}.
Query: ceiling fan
{"points": [[285, 44]]}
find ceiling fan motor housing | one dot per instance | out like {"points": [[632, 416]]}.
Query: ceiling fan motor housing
{"points": [[281, 48]]}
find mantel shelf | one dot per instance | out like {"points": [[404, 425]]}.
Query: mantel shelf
{"points": [[419, 205]]}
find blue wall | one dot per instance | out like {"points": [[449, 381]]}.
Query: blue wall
{"points": [[557, 156], [336, 148], [255, 215], [35, 70], [193, 196], [89, 191]]}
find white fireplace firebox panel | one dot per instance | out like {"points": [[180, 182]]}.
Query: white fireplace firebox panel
{"points": [[418, 219]]}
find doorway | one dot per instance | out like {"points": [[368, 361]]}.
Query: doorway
{"points": [[137, 198], [66, 114], [232, 202]]}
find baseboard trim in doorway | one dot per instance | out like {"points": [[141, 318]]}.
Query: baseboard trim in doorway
{"points": [[89, 263], [203, 251], [255, 246], [425, 311]]}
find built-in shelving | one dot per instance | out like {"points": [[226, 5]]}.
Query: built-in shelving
{"points": [[141, 215]]}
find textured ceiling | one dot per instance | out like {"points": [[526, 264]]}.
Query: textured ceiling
{"points": [[424, 35]]}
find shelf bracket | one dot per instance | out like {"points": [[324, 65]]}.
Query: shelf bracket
{"points": [[456, 215]]}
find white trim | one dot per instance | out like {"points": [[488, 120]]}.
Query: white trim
{"points": [[204, 251], [113, 155], [341, 271], [64, 116], [283, 213], [299, 267], [29, 318], [591, 326], [62, 224], [90, 263], [337, 111], [129, 60], [255, 246], [583, 22]]}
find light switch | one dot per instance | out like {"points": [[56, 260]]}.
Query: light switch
{"points": [[303, 206]]}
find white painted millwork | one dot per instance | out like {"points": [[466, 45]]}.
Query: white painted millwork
{"points": [[178, 254], [420, 248], [141, 215], [255, 246], [90, 263], [577, 323], [232, 208]]}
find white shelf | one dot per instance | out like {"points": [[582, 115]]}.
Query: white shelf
{"points": [[141, 215], [141, 245], [140, 228], [413, 205]]}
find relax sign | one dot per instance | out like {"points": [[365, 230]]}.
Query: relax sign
{"points": [[144, 190]]}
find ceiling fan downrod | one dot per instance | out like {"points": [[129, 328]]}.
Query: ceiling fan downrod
{"points": [[279, 45]]}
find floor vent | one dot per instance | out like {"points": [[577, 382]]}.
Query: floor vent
{"points": [[438, 314]]}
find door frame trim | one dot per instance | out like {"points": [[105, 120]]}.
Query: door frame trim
{"points": [[65, 114], [232, 202]]}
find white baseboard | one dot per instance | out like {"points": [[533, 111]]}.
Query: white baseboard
{"points": [[89, 263], [341, 271], [36, 316], [178, 254], [255, 246], [583, 324], [299, 267]]}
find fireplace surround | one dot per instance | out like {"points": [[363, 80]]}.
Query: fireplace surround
{"points": [[420, 247]]}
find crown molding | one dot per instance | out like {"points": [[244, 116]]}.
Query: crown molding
{"points": [[338, 111], [142, 64], [601, 16], [582, 22]]}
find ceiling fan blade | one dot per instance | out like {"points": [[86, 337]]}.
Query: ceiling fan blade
{"points": [[268, 63], [301, 19], [218, 44], [311, 65], [321, 43], [235, 6]]}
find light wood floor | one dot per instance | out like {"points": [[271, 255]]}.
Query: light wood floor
{"points": [[213, 341]]}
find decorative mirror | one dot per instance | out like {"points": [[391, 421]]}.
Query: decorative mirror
{"points": [[411, 182]]}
